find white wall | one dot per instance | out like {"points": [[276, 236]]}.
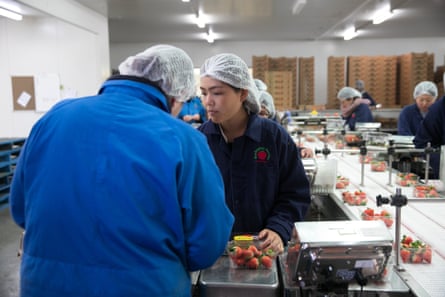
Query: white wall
{"points": [[320, 50], [74, 47]]}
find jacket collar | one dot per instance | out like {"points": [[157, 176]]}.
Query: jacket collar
{"points": [[149, 93]]}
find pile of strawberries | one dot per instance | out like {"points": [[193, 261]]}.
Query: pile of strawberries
{"points": [[250, 256]]}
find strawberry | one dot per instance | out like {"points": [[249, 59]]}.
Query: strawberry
{"points": [[266, 261], [236, 252], [339, 185], [417, 258], [254, 250], [369, 212], [407, 240], [405, 255], [385, 213], [253, 263], [247, 254], [427, 255]]}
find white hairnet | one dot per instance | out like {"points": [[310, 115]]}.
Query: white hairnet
{"points": [[261, 86], [425, 88], [166, 66], [266, 101], [348, 92], [233, 71], [359, 84]]}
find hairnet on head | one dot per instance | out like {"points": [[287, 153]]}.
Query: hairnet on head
{"points": [[359, 84], [348, 92], [266, 101], [233, 71], [261, 86], [166, 66], [425, 88]]}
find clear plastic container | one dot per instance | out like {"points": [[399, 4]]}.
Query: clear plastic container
{"points": [[245, 253], [407, 179], [370, 214]]}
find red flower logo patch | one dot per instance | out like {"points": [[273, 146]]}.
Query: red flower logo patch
{"points": [[261, 154]]}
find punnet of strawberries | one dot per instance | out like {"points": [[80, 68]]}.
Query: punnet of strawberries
{"points": [[245, 252], [414, 251], [369, 214]]}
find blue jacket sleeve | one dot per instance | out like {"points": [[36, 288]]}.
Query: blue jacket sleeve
{"points": [[207, 219], [294, 192], [403, 123]]}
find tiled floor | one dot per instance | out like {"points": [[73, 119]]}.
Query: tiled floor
{"points": [[9, 262]]}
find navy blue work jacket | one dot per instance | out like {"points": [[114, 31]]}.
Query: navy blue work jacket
{"points": [[265, 182], [409, 120]]}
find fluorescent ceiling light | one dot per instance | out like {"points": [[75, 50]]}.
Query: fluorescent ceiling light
{"points": [[350, 33], [210, 37], [185, 0], [10, 14], [200, 22], [381, 16], [298, 6]]}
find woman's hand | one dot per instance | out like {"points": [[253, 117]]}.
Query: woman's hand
{"points": [[271, 240], [306, 152]]}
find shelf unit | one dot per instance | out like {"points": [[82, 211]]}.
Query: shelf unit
{"points": [[9, 151]]}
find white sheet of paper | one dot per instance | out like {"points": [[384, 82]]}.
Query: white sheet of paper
{"points": [[23, 99], [47, 91]]}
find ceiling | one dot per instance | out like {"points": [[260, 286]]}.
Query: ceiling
{"points": [[133, 21]]}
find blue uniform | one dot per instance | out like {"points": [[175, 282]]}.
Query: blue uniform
{"points": [[366, 95], [117, 197], [362, 114], [409, 120], [191, 107], [432, 130], [265, 182]]}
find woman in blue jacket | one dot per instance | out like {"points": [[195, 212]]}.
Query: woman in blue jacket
{"points": [[356, 113], [193, 111], [425, 93], [432, 130], [265, 183], [117, 196]]}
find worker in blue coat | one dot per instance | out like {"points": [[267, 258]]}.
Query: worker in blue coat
{"points": [[425, 93], [360, 86], [351, 112], [432, 130], [193, 111], [118, 197], [266, 186]]}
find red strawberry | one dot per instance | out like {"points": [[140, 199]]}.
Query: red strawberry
{"points": [[407, 240], [266, 261], [247, 254], [417, 258], [369, 212], [405, 255], [427, 255], [253, 263], [254, 250], [236, 252]]}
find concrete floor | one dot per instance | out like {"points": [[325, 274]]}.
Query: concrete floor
{"points": [[9, 262]]}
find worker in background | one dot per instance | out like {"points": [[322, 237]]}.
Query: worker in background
{"points": [[360, 86], [268, 111], [425, 93], [117, 196], [353, 113], [266, 186], [193, 111], [432, 130]]}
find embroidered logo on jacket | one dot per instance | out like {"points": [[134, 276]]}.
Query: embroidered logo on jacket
{"points": [[261, 154]]}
